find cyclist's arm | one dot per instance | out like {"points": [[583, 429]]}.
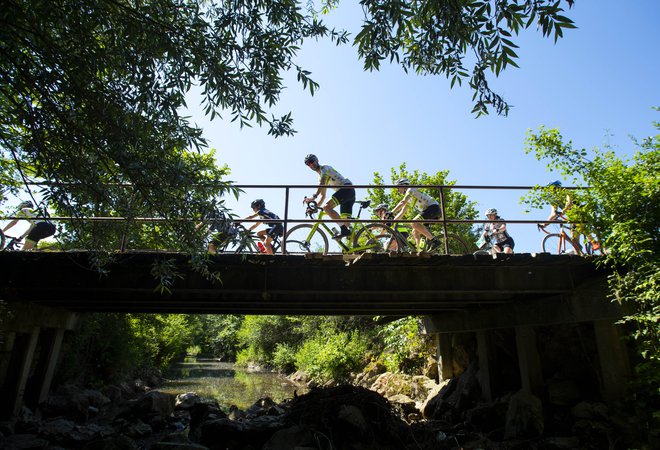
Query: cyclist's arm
{"points": [[254, 225], [10, 225]]}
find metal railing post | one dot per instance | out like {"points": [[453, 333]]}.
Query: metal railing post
{"points": [[444, 220], [286, 218]]}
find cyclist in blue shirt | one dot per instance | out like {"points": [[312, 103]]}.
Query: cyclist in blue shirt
{"points": [[274, 228]]}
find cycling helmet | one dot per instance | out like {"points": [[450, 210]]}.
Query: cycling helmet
{"points": [[403, 182], [381, 207], [311, 159], [490, 211], [258, 203], [556, 183], [26, 204]]}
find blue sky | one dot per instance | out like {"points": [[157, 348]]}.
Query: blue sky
{"points": [[597, 85]]}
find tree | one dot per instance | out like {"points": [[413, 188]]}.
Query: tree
{"points": [[456, 204], [620, 202]]}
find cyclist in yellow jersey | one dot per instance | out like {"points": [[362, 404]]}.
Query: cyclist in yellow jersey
{"points": [[427, 206], [344, 195]]}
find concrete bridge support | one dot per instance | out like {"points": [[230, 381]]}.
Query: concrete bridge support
{"points": [[585, 306], [30, 351]]}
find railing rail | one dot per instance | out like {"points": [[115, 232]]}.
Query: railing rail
{"points": [[444, 221]]}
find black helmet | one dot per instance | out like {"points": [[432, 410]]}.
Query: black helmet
{"points": [[26, 204], [311, 159], [403, 182], [258, 203]]}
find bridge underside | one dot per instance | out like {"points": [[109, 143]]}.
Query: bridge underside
{"points": [[372, 284]]}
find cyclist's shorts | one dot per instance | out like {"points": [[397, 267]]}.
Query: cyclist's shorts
{"points": [[508, 242], [275, 231], [346, 198], [432, 212], [40, 231]]}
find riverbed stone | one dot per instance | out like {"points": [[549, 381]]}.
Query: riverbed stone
{"points": [[524, 416], [299, 437]]}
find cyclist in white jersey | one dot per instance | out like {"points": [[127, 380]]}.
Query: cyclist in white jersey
{"points": [[344, 195], [39, 229], [427, 206]]}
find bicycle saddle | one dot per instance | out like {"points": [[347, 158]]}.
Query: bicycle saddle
{"points": [[365, 204]]}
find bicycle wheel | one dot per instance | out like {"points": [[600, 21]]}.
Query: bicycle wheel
{"points": [[456, 246], [2, 241], [482, 252], [557, 244], [303, 239], [376, 238]]}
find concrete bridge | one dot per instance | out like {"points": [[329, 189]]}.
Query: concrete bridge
{"points": [[456, 294]]}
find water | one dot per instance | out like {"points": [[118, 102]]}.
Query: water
{"points": [[227, 384]]}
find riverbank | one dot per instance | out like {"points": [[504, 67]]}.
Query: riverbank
{"points": [[379, 411]]}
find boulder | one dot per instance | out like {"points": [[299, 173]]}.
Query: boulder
{"points": [[524, 416], [299, 437]]}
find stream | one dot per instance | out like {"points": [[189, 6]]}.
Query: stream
{"points": [[227, 384]]}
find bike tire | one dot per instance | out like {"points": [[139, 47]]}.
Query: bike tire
{"points": [[301, 240], [456, 246], [482, 252], [376, 238], [552, 244], [2, 241]]}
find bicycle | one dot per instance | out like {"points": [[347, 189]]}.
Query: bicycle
{"points": [[456, 244], [484, 246], [313, 238], [560, 242], [9, 243]]}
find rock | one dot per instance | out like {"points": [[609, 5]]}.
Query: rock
{"points": [[187, 400], [23, 441], [456, 397], [352, 416], [524, 416], [297, 437], [561, 443], [112, 443], [177, 446], [586, 410], [153, 403], [234, 435], [114, 393], [96, 398], [563, 392], [68, 401]]}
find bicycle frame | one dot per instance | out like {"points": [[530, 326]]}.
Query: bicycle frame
{"points": [[346, 248]]}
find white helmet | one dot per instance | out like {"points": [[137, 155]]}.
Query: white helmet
{"points": [[490, 211]]}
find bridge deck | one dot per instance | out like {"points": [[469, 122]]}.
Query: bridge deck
{"points": [[375, 284]]}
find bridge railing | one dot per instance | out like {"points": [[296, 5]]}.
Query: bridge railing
{"points": [[288, 218]]}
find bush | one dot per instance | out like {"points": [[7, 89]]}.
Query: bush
{"points": [[284, 358], [332, 355]]}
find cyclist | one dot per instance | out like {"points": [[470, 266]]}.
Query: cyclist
{"points": [[274, 228], [39, 229], [221, 230], [427, 206], [383, 212], [344, 195], [557, 212], [496, 231]]}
